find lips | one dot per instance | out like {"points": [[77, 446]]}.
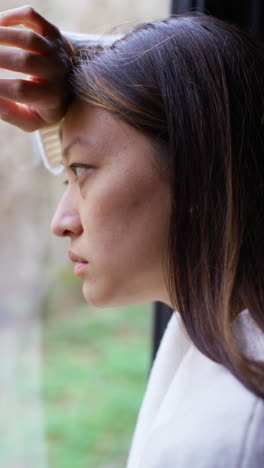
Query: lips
{"points": [[75, 258], [80, 266]]}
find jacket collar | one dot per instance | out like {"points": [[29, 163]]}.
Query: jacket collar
{"points": [[175, 348]]}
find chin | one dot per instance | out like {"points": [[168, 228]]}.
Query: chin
{"points": [[99, 298], [108, 299]]}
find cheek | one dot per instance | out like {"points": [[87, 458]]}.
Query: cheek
{"points": [[117, 209], [123, 209], [119, 212]]}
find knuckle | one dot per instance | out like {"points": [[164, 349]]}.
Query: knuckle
{"points": [[26, 60], [55, 31], [20, 90], [29, 11], [31, 40], [35, 43]]}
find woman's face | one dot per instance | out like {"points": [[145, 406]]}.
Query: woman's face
{"points": [[115, 209]]}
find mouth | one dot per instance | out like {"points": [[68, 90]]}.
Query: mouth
{"points": [[80, 263]]}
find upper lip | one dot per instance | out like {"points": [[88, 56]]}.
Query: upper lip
{"points": [[75, 258]]}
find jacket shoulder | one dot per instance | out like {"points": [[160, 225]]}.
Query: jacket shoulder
{"points": [[252, 447], [212, 421]]}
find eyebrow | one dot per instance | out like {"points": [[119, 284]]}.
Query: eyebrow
{"points": [[77, 140]]}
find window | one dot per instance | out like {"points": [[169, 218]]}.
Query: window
{"points": [[66, 392]]}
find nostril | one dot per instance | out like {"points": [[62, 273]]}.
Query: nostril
{"points": [[58, 228], [66, 224], [66, 233]]}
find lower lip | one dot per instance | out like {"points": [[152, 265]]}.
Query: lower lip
{"points": [[79, 268]]}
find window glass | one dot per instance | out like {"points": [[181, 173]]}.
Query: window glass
{"points": [[72, 376]]}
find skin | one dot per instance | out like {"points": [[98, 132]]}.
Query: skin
{"points": [[43, 54], [125, 249], [116, 211]]}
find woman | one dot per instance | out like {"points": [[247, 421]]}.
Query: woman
{"points": [[163, 143]]}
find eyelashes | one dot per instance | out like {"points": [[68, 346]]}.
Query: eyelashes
{"points": [[77, 170]]}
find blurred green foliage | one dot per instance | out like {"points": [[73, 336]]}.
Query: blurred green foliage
{"points": [[96, 363]]}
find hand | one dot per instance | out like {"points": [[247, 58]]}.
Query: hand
{"points": [[42, 53]]}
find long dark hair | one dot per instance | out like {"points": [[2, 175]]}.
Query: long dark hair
{"points": [[195, 85]]}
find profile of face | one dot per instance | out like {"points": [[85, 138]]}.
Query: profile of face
{"points": [[115, 208]]}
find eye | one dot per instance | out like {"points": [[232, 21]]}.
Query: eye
{"points": [[77, 170]]}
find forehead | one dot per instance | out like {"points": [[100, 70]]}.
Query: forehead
{"points": [[93, 121], [102, 130], [107, 135], [90, 127]]}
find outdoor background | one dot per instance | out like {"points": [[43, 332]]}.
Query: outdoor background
{"points": [[71, 376]]}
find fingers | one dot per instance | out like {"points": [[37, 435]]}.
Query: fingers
{"points": [[41, 52], [25, 92], [24, 39], [21, 116], [28, 63], [29, 17]]}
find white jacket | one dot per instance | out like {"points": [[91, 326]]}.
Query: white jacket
{"points": [[195, 413]]}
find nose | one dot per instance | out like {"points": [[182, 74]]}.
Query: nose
{"points": [[66, 220]]}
